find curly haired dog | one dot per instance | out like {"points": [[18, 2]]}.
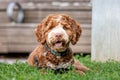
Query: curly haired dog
{"points": [[55, 33]]}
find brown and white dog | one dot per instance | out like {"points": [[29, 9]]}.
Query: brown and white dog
{"points": [[55, 33]]}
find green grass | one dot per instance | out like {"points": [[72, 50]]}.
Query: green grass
{"points": [[100, 71]]}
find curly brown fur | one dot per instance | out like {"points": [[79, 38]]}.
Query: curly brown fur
{"points": [[56, 31]]}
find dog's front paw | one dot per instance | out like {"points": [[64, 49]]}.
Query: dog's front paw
{"points": [[36, 61]]}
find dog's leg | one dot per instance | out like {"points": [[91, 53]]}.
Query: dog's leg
{"points": [[36, 62], [33, 57], [80, 68], [31, 60]]}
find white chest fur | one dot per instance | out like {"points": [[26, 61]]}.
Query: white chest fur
{"points": [[61, 65]]}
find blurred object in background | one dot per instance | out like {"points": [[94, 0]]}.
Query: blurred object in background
{"points": [[10, 12], [20, 38]]}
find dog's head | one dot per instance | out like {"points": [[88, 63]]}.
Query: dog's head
{"points": [[57, 31]]}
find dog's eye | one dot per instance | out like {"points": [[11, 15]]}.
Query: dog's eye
{"points": [[65, 27]]}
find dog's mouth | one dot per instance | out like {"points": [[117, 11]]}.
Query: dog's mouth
{"points": [[58, 43]]}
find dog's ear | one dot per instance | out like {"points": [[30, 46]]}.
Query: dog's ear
{"points": [[40, 31], [76, 31]]}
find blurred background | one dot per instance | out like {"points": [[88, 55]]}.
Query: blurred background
{"points": [[17, 39]]}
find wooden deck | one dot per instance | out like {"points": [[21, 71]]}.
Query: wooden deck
{"points": [[20, 37]]}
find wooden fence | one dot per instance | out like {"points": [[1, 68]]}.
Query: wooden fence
{"points": [[20, 37]]}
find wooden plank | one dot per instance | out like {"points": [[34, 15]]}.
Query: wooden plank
{"points": [[86, 32], [81, 49], [3, 39], [84, 40], [83, 21], [52, 6], [23, 1], [31, 25], [43, 14], [3, 47], [81, 6], [17, 32], [106, 30], [22, 40], [21, 47], [17, 25], [37, 16]]}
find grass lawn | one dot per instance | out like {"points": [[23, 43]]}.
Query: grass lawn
{"points": [[100, 71]]}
